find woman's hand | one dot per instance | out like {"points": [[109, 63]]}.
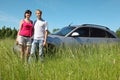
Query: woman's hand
{"points": [[17, 41]]}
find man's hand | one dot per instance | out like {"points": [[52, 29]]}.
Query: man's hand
{"points": [[44, 43]]}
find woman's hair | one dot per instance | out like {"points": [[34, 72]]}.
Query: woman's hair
{"points": [[39, 11], [27, 12]]}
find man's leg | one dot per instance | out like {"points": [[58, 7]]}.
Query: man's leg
{"points": [[32, 52], [41, 51]]}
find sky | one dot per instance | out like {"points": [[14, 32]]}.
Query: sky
{"points": [[60, 13]]}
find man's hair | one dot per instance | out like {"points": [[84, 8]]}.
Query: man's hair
{"points": [[27, 12], [39, 11]]}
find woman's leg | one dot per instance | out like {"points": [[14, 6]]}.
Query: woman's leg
{"points": [[21, 44], [27, 53], [22, 52]]}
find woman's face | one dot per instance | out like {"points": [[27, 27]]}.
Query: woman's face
{"points": [[27, 15]]}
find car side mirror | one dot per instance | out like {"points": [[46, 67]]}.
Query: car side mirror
{"points": [[75, 34]]}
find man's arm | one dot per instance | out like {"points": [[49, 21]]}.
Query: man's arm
{"points": [[45, 38]]}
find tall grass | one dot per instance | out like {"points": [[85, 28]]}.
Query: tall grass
{"points": [[90, 62]]}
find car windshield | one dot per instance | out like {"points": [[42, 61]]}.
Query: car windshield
{"points": [[64, 31]]}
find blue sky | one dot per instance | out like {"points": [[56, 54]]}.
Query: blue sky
{"points": [[60, 13]]}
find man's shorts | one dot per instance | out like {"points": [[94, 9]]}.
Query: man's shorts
{"points": [[24, 41]]}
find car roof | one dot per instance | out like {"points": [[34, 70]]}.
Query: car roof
{"points": [[91, 25], [94, 25]]}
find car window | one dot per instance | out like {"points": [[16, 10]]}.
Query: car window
{"points": [[83, 31], [95, 32], [109, 35]]}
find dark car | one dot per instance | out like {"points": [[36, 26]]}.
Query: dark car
{"points": [[82, 34]]}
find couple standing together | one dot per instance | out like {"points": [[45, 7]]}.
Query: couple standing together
{"points": [[28, 30]]}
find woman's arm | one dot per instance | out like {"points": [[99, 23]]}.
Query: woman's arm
{"points": [[21, 22]]}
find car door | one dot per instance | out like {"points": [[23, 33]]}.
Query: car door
{"points": [[98, 35], [81, 38]]}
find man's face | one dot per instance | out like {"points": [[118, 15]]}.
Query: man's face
{"points": [[38, 14]]}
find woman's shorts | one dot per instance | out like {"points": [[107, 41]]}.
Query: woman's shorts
{"points": [[24, 40]]}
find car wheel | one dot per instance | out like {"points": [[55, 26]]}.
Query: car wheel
{"points": [[50, 49]]}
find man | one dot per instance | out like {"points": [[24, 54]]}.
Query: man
{"points": [[39, 36]]}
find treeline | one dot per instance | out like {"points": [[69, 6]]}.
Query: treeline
{"points": [[7, 32]]}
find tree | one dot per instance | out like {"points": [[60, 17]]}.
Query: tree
{"points": [[55, 30], [7, 32], [118, 32], [3, 31], [14, 33], [0, 34]]}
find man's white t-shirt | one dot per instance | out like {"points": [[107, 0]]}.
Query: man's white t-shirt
{"points": [[40, 27]]}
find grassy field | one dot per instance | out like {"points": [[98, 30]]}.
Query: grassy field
{"points": [[84, 63]]}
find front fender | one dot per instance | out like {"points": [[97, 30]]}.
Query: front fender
{"points": [[54, 41]]}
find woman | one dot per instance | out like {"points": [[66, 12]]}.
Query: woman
{"points": [[24, 35]]}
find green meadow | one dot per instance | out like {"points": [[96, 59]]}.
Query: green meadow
{"points": [[89, 62]]}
